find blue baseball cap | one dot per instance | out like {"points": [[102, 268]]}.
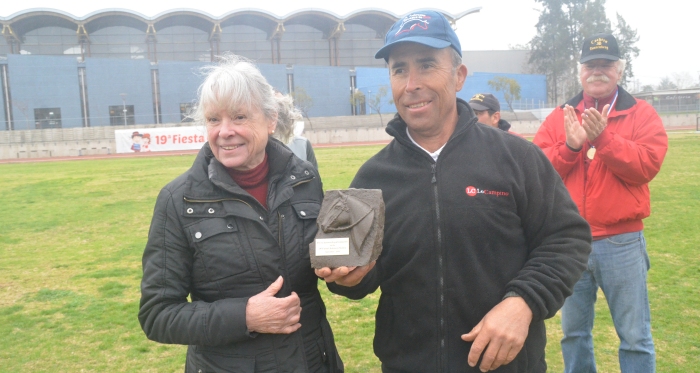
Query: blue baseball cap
{"points": [[427, 27]]}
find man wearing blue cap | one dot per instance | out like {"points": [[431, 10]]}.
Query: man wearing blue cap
{"points": [[482, 241]]}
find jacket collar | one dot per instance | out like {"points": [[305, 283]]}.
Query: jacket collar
{"points": [[208, 178], [625, 101], [465, 119]]}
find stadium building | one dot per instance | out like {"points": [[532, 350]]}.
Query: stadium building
{"points": [[117, 67]]}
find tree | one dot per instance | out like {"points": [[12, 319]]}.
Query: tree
{"points": [[375, 102], [627, 39], [357, 100], [304, 102], [682, 80], [666, 84], [647, 88], [556, 47], [509, 87]]}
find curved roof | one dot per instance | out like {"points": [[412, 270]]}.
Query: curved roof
{"points": [[377, 19]]}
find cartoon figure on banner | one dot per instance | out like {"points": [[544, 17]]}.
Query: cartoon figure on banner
{"points": [[146, 142], [136, 139]]}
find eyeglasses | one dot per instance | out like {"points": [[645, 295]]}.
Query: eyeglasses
{"points": [[606, 66]]}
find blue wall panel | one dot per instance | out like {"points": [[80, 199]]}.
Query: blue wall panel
{"points": [[44, 82], [179, 82], [3, 122], [108, 78], [532, 87], [369, 80], [276, 75], [328, 86]]}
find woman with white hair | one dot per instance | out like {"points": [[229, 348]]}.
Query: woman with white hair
{"points": [[232, 235]]}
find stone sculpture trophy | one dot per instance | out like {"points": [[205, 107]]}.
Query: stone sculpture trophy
{"points": [[350, 228]]}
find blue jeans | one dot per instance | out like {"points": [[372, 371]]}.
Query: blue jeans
{"points": [[618, 265]]}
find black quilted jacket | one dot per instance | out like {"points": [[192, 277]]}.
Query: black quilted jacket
{"points": [[211, 241]]}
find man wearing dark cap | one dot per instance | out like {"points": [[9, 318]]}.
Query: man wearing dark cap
{"points": [[481, 240], [607, 146], [488, 111]]}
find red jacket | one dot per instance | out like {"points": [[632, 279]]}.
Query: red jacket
{"points": [[611, 191]]}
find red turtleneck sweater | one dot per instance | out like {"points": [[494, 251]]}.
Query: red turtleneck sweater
{"points": [[253, 181]]}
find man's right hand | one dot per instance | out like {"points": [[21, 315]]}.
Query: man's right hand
{"points": [[345, 276], [575, 134]]}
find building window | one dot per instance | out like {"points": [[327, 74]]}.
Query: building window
{"points": [[120, 115], [186, 112], [47, 118]]}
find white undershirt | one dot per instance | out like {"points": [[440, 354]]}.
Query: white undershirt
{"points": [[434, 155]]}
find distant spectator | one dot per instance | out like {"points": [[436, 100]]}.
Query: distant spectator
{"points": [[488, 111], [290, 126]]}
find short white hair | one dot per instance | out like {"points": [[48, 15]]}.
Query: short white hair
{"points": [[234, 83]]}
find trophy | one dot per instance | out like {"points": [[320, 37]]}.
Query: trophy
{"points": [[350, 228]]}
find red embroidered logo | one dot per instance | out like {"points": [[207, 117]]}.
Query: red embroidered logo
{"points": [[473, 191]]}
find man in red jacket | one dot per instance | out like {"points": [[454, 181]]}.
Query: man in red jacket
{"points": [[607, 146]]}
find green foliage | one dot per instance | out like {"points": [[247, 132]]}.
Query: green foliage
{"points": [[73, 235], [627, 39], [375, 102], [556, 48], [303, 102], [508, 86]]}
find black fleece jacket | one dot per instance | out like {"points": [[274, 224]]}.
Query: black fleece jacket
{"points": [[489, 217]]}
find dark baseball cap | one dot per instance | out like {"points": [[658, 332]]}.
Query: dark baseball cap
{"points": [[427, 27], [484, 101], [600, 46]]}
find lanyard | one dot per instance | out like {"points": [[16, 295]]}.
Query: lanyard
{"points": [[591, 152]]}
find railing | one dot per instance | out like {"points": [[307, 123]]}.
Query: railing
{"points": [[677, 108]]}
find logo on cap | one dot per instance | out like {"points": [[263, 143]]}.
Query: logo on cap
{"points": [[598, 44], [477, 97], [419, 20]]}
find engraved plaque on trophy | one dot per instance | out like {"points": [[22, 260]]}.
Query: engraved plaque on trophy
{"points": [[350, 228]]}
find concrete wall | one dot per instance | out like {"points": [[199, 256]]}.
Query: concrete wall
{"points": [[108, 78], [43, 82], [326, 130], [505, 61]]}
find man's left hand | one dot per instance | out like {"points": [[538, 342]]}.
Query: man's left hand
{"points": [[594, 122], [504, 330]]}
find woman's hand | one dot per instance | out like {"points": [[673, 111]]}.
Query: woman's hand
{"points": [[267, 314]]}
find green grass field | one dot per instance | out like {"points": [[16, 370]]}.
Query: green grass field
{"points": [[72, 234]]}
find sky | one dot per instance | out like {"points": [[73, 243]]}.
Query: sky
{"points": [[667, 30]]}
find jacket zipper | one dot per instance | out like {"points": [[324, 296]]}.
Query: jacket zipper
{"points": [[441, 291], [302, 182]]}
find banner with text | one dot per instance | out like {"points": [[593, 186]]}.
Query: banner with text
{"points": [[160, 139]]}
